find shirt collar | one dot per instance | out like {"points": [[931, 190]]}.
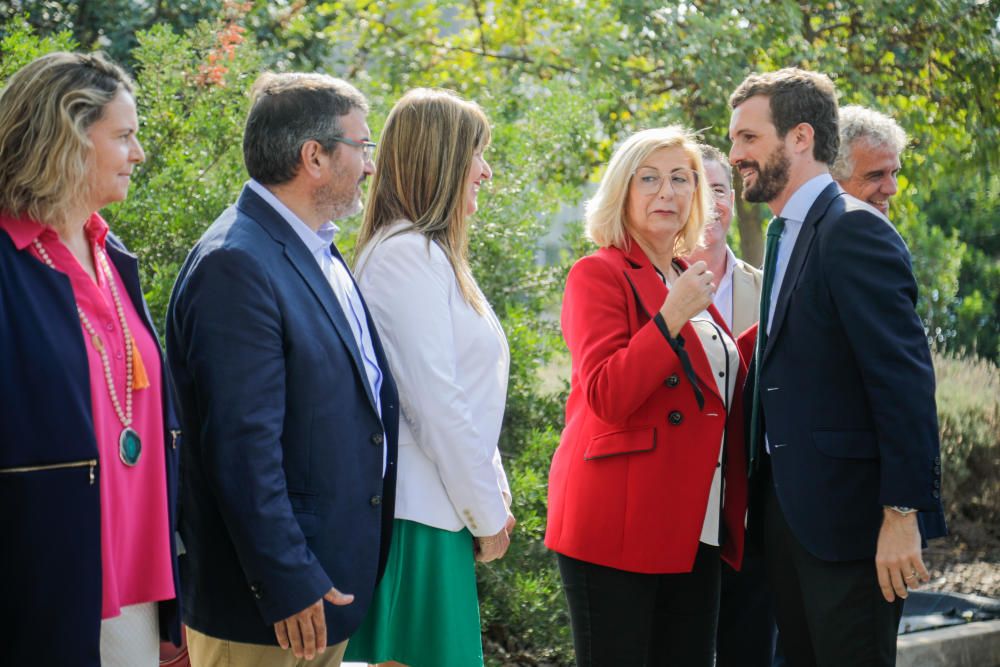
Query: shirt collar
{"points": [[727, 276], [23, 230], [797, 207], [316, 242]]}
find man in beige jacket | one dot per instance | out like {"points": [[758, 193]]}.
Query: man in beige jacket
{"points": [[746, 634], [738, 288]]}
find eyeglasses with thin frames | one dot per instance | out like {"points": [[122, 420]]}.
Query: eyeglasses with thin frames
{"points": [[367, 147], [648, 181]]}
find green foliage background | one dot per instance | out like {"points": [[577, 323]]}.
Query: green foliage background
{"points": [[563, 83]]}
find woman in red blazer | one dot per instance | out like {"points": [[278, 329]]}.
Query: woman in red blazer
{"points": [[647, 490]]}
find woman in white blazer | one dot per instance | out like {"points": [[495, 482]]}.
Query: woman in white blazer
{"points": [[449, 357]]}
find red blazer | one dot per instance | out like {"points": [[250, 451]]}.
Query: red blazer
{"points": [[629, 483]]}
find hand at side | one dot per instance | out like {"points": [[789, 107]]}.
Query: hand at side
{"points": [[897, 559], [305, 632]]}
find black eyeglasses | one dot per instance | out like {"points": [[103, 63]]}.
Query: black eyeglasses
{"points": [[367, 147]]}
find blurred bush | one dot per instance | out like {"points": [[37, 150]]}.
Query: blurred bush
{"points": [[968, 400]]}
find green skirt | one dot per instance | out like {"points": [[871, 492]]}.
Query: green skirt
{"points": [[425, 612]]}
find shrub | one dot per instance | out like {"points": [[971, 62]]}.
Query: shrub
{"points": [[523, 606], [968, 401]]}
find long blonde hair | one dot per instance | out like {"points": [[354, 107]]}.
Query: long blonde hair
{"points": [[423, 161], [46, 109]]}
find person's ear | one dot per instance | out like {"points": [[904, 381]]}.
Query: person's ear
{"points": [[312, 156], [803, 137]]}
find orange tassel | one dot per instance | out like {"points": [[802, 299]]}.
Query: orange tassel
{"points": [[139, 378]]}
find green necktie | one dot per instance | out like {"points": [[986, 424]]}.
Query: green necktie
{"points": [[774, 229]]}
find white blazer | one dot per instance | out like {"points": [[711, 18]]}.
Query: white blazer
{"points": [[450, 364]]}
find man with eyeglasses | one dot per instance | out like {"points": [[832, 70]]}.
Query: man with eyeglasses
{"points": [[288, 406], [737, 284]]}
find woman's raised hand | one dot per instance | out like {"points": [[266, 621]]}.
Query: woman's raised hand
{"points": [[690, 294]]}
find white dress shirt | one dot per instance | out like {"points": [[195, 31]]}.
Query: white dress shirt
{"points": [[450, 364], [723, 299]]}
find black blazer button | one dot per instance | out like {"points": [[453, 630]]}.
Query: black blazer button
{"points": [[937, 470], [377, 438], [256, 590], [375, 501], [936, 494], [675, 417], [672, 381]]}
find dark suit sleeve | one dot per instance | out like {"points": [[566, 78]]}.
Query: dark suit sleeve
{"points": [[229, 322], [867, 267]]}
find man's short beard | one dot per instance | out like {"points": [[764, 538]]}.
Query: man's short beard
{"points": [[771, 178], [336, 204]]}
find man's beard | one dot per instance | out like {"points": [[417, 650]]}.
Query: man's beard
{"points": [[335, 202], [771, 180]]}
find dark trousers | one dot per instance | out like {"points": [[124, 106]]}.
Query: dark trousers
{"points": [[627, 619], [829, 614], [747, 632]]}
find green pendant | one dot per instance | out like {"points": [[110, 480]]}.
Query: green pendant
{"points": [[129, 446]]}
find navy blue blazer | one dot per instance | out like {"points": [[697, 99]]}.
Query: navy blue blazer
{"points": [[50, 519], [282, 488], [847, 384]]}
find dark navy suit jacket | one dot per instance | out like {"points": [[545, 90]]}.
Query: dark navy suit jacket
{"points": [[282, 488], [847, 384], [50, 519]]}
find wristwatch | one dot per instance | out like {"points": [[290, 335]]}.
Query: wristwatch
{"points": [[900, 509]]}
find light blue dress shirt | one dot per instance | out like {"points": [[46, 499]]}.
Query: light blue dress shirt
{"points": [[339, 278], [794, 213]]}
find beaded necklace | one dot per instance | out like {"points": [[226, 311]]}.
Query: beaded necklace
{"points": [[129, 444]]}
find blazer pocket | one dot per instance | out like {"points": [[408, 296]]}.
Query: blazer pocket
{"points": [[616, 443], [846, 444]]}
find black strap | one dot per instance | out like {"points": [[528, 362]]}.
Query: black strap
{"points": [[676, 344]]}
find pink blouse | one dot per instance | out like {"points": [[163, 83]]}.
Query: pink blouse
{"points": [[135, 528]]}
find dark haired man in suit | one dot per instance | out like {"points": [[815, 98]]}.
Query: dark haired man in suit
{"points": [[844, 441], [288, 471]]}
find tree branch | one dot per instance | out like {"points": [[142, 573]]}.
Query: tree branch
{"points": [[479, 19], [485, 53]]}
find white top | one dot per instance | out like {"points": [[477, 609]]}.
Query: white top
{"points": [[724, 359], [450, 365], [339, 278]]}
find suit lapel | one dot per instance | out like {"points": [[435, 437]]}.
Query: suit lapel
{"points": [[795, 263], [651, 293], [305, 265]]}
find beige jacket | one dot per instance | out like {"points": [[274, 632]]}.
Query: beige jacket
{"points": [[746, 296]]}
